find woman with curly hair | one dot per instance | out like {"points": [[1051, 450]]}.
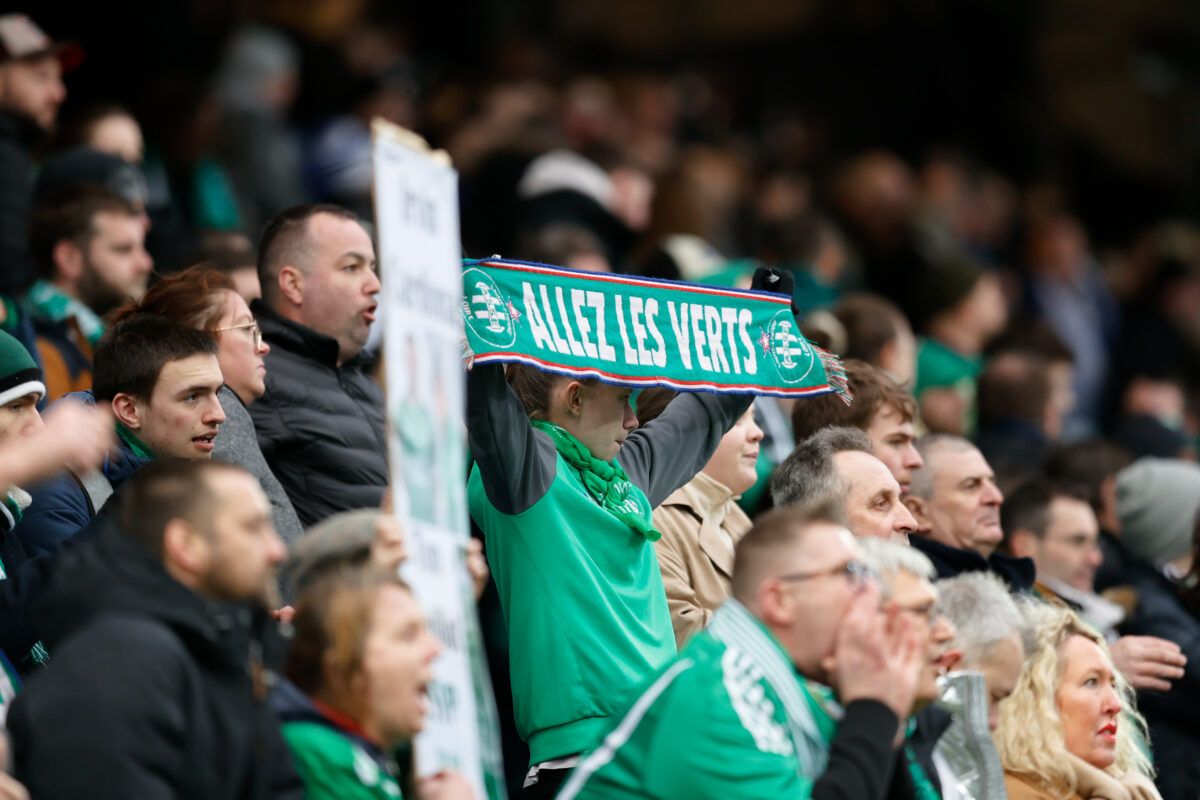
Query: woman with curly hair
{"points": [[1070, 730]]}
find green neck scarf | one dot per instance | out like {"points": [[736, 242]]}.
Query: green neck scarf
{"points": [[605, 481], [50, 303], [922, 785], [135, 444]]}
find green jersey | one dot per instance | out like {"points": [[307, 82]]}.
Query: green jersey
{"points": [[728, 718]]}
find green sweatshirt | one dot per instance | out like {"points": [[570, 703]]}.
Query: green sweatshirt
{"points": [[581, 591], [730, 718]]}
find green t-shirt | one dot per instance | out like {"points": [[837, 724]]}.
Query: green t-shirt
{"points": [[939, 367], [713, 725], [334, 767]]}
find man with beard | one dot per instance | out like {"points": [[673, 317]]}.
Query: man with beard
{"points": [[31, 92], [956, 503], [163, 638], [89, 250]]}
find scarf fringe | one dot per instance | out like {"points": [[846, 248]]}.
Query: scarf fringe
{"points": [[835, 373]]}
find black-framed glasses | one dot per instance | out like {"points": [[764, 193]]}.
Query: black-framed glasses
{"points": [[255, 332], [857, 574]]}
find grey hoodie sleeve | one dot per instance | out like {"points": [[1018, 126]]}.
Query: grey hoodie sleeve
{"points": [[669, 451], [516, 461]]}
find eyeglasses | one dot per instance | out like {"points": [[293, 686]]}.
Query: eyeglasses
{"points": [[857, 574], [930, 614], [255, 332]]}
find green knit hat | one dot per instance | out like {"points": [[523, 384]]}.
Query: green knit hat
{"points": [[19, 373]]}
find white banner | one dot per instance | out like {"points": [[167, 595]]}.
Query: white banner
{"points": [[416, 213]]}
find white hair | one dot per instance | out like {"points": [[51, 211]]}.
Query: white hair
{"points": [[887, 559], [982, 611]]}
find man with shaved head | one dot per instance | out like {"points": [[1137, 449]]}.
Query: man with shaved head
{"points": [[956, 503], [839, 463], [321, 421]]}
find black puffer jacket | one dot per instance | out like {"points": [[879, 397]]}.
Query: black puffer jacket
{"points": [[152, 692], [18, 135], [320, 426]]}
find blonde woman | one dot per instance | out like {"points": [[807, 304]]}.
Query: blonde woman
{"points": [[1069, 731]]}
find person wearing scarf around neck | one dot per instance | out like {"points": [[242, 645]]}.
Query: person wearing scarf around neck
{"points": [[796, 688], [160, 380], [358, 669], [563, 487], [31, 448], [88, 245]]}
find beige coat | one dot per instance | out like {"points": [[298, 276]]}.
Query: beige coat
{"points": [[700, 523], [1091, 784]]}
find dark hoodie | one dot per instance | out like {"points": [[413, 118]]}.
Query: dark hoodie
{"points": [[153, 692]]}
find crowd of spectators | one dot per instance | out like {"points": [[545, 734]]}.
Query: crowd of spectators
{"points": [[981, 575]]}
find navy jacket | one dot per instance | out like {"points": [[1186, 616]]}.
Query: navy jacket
{"points": [[1018, 573], [60, 507]]}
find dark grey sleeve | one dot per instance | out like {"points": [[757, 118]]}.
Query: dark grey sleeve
{"points": [[516, 461], [669, 451]]}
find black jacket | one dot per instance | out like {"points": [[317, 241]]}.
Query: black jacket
{"points": [[320, 426], [18, 135], [152, 692], [1018, 573], [1172, 716], [22, 580]]}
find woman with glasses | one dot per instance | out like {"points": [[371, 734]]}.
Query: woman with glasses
{"points": [[206, 299]]}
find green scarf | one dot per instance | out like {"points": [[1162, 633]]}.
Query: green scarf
{"points": [[134, 443], [49, 303], [921, 783], [641, 332], [605, 481], [15, 509]]}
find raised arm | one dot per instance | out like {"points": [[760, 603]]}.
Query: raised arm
{"points": [[517, 462], [669, 451]]}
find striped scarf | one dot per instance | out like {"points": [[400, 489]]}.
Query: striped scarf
{"points": [[736, 628]]}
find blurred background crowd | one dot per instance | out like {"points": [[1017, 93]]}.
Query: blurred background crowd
{"points": [[993, 202], [986, 167]]}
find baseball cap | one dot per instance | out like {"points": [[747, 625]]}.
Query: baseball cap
{"points": [[21, 38]]}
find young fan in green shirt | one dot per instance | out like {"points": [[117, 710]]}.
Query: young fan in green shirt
{"points": [[358, 669], [563, 487], [745, 710]]}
